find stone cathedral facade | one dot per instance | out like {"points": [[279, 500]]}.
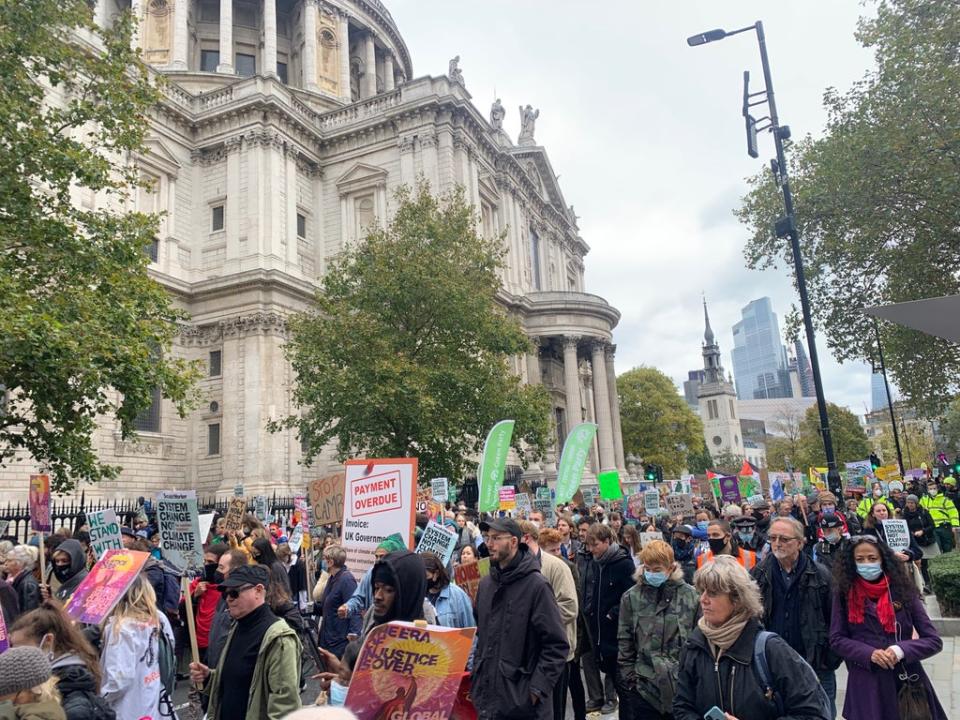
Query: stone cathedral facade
{"points": [[286, 127]]}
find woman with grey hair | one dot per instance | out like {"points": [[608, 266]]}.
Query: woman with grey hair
{"points": [[19, 566], [717, 669]]}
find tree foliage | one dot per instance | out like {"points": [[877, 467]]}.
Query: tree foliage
{"points": [[657, 424], [81, 321], [950, 427], [406, 352], [849, 439], [876, 198]]}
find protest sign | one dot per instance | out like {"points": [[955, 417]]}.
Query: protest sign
{"points": [[898, 534], [236, 509], [441, 489], [178, 523], [104, 532], [4, 635], [729, 489], [379, 500], [238, 491], [610, 485], [4, 524], [524, 503], [438, 540], [104, 585], [424, 498], [680, 504], [888, 473], [647, 537], [467, 576], [546, 508], [260, 507], [40, 504], [635, 505], [408, 670], [325, 496], [651, 502], [589, 496], [296, 539], [508, 498], [543, 493], [494, 464], [776, 490], [858, 475], [206, 522], [576, 450]]}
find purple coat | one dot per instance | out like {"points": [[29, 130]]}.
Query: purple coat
{"points": [[871, 690]]}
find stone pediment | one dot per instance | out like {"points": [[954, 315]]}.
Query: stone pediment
{"points": [[160, 156], [535, 162], [360, 176]]}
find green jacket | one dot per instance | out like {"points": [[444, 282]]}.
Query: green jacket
{"points": [[32, 711], [275, 687], [863, 509], [654, 626], [941, 509]]}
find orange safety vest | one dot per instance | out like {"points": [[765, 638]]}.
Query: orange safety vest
{"points": [[747, 558]]}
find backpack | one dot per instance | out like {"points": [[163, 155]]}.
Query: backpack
{"points": [[170, 601], [762, 668], [167, 658]]}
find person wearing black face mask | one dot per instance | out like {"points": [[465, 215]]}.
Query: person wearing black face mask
{"points": [[69, 567], [205, 595], [683, 551], [230, 560]]}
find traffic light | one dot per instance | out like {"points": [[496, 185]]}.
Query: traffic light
{"points": [[659, 473], [650, 473], [956, 466], [875, 461]]}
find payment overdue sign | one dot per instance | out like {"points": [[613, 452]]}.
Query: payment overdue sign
{"points": [[379, 500]]}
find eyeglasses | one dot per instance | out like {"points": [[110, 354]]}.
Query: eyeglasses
{"points": [[234, 593], [864, 538], [780, 539]]}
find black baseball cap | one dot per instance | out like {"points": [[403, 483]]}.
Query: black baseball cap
{"points": [[124, 530], [246, 575], [743, 521], [830, 521], [505, 525], [684, 529]]}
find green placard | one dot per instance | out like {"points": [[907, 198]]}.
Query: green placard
{"points": [[609, 485], [576, 450], [494, 464]]}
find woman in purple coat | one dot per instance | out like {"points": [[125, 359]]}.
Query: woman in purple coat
{"points": [[876, 608]]}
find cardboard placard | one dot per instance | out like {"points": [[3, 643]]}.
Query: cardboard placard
{"points": [[467, 576], [236, 509], [680, 504], [178, 522], [646, 537], [40, 520], [104, 585], [325, 496], [438, 540], [651, 502], [440, 488], [104, 532], [898, 534]]}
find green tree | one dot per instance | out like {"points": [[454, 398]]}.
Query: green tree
{"points": [[657, 424], [727, 463], [849, 439], [950, 428], [876, 198], [783, 442], [699, 460], [916, 443], [86, 332], [406, 352]]}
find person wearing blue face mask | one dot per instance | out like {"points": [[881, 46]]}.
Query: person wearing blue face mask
{"points": [[876, 609], [656, 616]]}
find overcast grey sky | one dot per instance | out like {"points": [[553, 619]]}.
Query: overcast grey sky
{"points": [[647, 137]]}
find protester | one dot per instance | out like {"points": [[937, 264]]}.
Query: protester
{"points": [[399, 586], [605, 581], [826, 550], [876, 609], [796, 601], [27, 683], [454, 607], [944, 513], [258, 673], [130, 646], [873, 525], [263, 553], [296, 574], [340, 586], [521, 643], [19, 568], [74, 661], [721, 542], [69, 567], [468, 553], [683, 547], [569, 545], [874, 496], [205, 594], [724, 642], [362, 597], [220, 623], [656, 616], [921, 526]]}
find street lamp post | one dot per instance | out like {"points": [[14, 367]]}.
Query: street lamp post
{"points": [[786, 227], [886, 386]]}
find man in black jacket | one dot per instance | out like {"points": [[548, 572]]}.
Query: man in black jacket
{"points": [[796, 601], [521, 643], [604, 582]]}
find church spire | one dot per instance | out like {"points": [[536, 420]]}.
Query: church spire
{"points": [[708, 333]]}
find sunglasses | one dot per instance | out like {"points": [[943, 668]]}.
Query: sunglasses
{"points": [[864, 538], [234, 593]]}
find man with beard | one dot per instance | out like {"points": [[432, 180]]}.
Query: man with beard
{"points": [[521, 643], [399, 584]]}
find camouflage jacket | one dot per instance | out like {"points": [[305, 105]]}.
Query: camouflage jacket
{"points": [[654, 626]]}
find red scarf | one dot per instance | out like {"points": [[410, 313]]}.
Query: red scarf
{"points": [[879, 592]]}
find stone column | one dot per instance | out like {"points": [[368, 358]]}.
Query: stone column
{"points": [[100, 14], [601, 399], [615, 407], [368, 82], [270, 37], [226, 38], [571, 381], [310, 45], [343, 36], [181, 37], [533, 362], [136, 10], [388, 81]]}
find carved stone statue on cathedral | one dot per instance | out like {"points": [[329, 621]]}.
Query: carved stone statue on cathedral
{"points": [[528, 123], [497, 114], [454, 72]]}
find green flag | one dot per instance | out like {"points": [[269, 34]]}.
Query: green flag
{"points": [[493, 465], [576, 449]]}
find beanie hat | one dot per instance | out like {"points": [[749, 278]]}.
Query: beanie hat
{"points": [[392, 543], [827, 498], [23, 668], [913, 498]]}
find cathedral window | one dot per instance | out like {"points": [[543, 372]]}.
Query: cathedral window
{"points": [[210, 11], [301, 226], [216, 361], [364, 213], [246, 65], [209, 59], [282, 72], [149, 418], [733, 413], [213, 439], [216, 218], [712, 410]]}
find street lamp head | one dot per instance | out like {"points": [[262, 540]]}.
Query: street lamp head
{"points": [[706, 37]]}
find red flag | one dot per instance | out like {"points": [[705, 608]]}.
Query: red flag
{"points": [[747, 469]]}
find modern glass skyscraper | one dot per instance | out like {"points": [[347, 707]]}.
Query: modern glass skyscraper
{"points": [[804, 371], [759, 356], [878, 393]]}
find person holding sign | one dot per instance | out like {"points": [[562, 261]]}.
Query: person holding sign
{"points": [[904, 545], [69, 567], [876, 610]]}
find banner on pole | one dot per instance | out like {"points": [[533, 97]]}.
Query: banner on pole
{"points": [[494, 464], [576, 450], [178, 522], [40, 520], [651, 502], [441, 489], [898, 534], [104, 532], [102, 588], [326, 498]]}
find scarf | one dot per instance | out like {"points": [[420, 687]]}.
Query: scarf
{"points": [[722, 637], [879, 592]]}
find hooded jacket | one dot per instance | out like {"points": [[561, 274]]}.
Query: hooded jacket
{"points": [[406, 572], [655, 623], [521, 643], [48, 710], [78, 568], [79, 691], [604, 583]]}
